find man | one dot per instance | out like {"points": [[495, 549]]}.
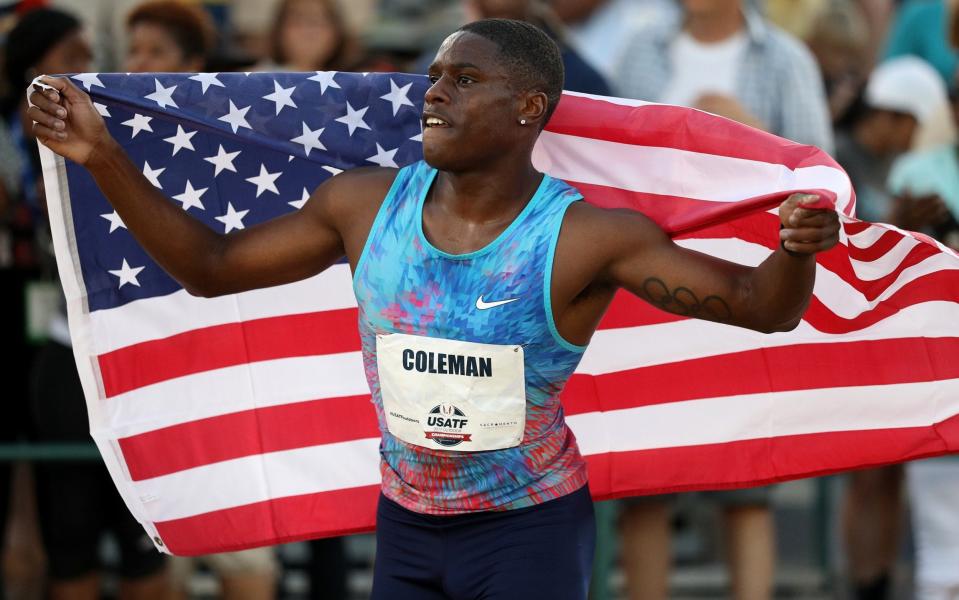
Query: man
{"points": [[721, 56], [468, 332]]}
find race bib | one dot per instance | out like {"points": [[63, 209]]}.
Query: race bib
{"points": [[452, 395]]}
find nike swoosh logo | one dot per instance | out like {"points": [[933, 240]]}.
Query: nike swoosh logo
{"points": [[483, 305]]}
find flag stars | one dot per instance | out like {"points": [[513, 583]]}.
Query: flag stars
{"points": [[206, 80], [236, 117], [115, 221], [163, 96], [398, 96], [233, 219], [223, 161], [384, 158], [281, 96], [265, 181], [325, 79], [333, 171], [309, 139], [298, 204], [127, 274], [138, 123], [181, 139], [353, 119], [152, 175], [102, 109], [190, 198], [88, 80]]}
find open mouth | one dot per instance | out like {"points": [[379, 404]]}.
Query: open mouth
{"points": [[433, 122]]}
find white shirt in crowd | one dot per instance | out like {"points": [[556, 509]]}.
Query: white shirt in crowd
{"points": [[700, 68]]}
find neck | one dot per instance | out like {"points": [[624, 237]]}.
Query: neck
{"points": [[715, 26], [486, 195]]}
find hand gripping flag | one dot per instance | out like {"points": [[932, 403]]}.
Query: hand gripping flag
{"points": [[245, 420]]}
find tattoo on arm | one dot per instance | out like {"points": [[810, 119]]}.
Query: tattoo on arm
{"points": [[683, 301]]}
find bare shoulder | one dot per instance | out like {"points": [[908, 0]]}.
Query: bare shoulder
{"points": [[354, 189]]}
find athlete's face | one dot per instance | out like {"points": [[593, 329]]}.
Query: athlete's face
{"points": [[471, 110]]}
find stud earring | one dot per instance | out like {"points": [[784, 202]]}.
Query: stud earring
{"points": [[522, 121]]}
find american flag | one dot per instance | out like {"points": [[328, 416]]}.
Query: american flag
{"points": [[245, 420]]}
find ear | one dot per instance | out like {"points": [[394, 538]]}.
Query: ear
{"points": [[533, 107]]}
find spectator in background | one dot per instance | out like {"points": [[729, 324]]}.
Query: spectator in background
{"points": [[76, 503], [901, 94], [170, 36], [839, 39], [921, 29], [579, 76], [933, 484], [724, 58], [601, 29], [310, 35]]}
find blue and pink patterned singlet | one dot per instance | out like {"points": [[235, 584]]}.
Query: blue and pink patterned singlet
{"points": [[498, 295]]}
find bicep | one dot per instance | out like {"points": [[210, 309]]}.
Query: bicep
{"points": [[285, 249]]}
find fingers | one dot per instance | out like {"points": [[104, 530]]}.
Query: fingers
{"points": [[811, 247], [45, 134], [43, 118], [807, 217], [47, 101], [63, 86], [819, 232]]}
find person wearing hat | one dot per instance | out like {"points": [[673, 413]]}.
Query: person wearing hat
{"points": [[900, 95], [76, 502]]}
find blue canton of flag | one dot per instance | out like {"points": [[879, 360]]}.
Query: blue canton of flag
{"points": [[225, 160]]}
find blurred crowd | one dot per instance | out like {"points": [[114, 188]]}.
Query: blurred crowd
{"points": [[873, 82]]}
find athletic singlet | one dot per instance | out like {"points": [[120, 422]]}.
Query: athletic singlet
{"points": [[494, 305]]}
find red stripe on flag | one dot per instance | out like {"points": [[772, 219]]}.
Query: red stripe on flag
{"points": [[270, 429], [936, 286], [678, 215], [276, 521], [228, 345], [886, 242], [749, 463], [665, 126], [787, 368]]}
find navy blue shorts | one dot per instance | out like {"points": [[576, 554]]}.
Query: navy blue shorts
{"points": [[540, 551]]}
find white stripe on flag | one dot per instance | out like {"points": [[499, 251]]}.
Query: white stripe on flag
{"points": [[231, 389], [754, 416], [260, 477], [672, 172], [164, 316]]}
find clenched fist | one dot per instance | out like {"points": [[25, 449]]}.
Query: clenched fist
{"points": [[807, 230], [65, 120]]}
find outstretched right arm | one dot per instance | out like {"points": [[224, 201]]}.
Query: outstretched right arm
{"points": [[281, 250]]}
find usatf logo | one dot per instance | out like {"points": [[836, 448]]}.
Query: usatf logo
{"points": [[449, 422]]}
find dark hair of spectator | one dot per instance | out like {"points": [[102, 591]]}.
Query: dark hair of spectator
{"points": [[31, 38], [188, 25], [342, 50], [532, 57]]}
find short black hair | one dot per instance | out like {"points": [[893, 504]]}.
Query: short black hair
{"points": [[533, 58]]}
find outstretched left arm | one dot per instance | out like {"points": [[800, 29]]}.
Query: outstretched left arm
{"points": [[770, 297]]}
